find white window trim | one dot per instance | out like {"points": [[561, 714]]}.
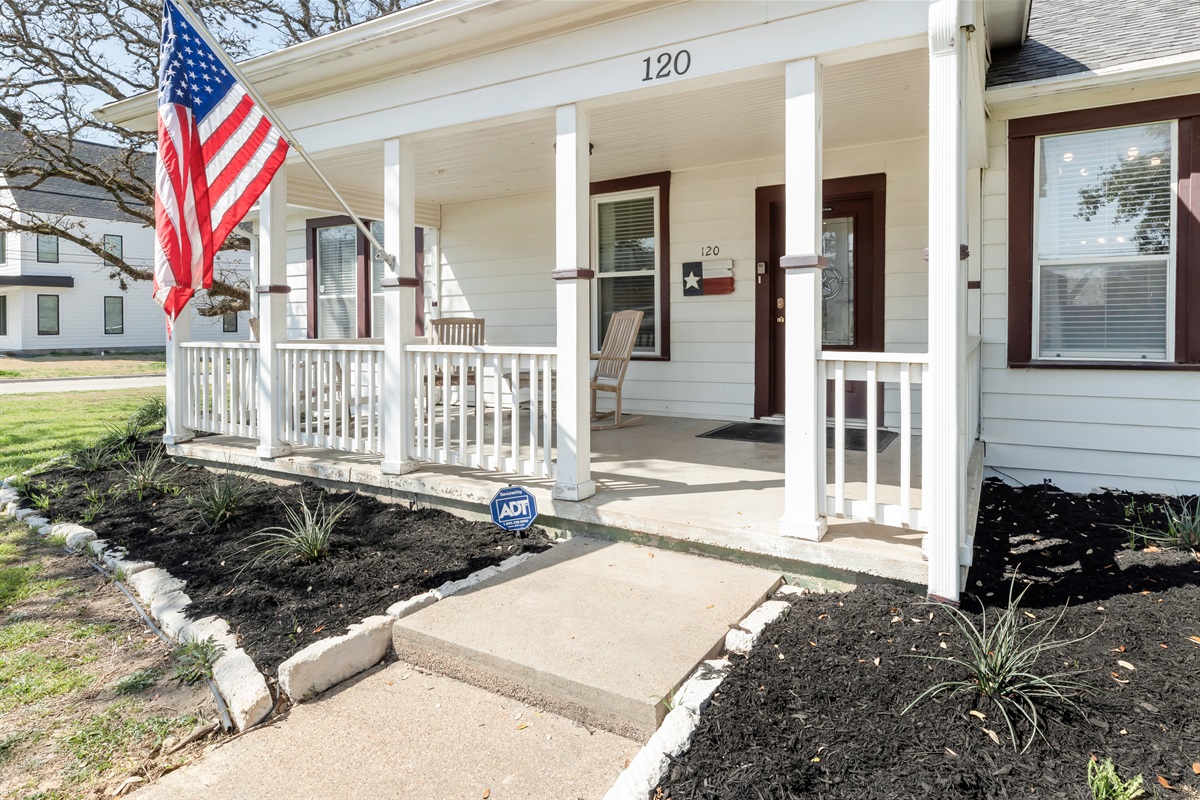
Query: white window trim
{"points": [[658, 272], [1169, 257]]}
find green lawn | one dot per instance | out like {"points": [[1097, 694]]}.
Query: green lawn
{"points": [[72, 365], [36, 427]]}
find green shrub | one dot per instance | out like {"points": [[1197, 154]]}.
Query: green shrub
{"points": [[152, 471], [120, 438], [1001, 661], [91, 459], [1105, 784], [305, 537], [194, 660], [151, 414], [218, 500]]}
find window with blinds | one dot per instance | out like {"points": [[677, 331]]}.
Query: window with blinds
{"points": [[337, 282], [378, 273], [625, 253], [1104, 244]]}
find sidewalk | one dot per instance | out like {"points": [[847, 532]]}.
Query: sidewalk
{"points": [[406, 735], [91, 384]]}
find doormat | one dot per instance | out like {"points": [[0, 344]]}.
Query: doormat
{"points": [[764, 433]]}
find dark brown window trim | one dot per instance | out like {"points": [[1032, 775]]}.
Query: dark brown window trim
{"points": [[1021, 152], [662, 182], [362, 276]]}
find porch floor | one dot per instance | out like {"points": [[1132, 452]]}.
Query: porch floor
{"points": [[657, 483]]}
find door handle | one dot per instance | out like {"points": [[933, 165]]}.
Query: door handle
{"points": [[779, 319]]}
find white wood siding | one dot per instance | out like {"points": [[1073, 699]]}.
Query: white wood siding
{"points": [[81, 307], [1079, 428]]}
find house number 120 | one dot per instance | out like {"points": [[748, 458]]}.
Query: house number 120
{"points": [[668, 65]]}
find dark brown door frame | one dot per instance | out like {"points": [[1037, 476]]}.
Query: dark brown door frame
{"points": [[870, 332]]}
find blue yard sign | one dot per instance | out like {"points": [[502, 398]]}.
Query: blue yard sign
{"points": [[513, 508]]}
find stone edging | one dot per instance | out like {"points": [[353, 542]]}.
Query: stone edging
{"points": [[652, 764], [314, 669], [237, 678], [330, 661]]}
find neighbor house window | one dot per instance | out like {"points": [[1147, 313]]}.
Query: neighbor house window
{"points": [[3, 315], [47, 315], [1100, 219], [229, 322], [3, 246], [630, 258], [346, 293], [114, 244], [114, 315], [47, 248]]}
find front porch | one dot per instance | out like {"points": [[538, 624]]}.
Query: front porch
{"points": [[656, 483]]}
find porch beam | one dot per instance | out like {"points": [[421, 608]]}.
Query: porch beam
{"points": [[804, 448], [944, 417], [399, 224], [272, 315], [573, 478]]}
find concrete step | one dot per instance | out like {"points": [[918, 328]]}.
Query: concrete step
{"points": [[598, 631]]}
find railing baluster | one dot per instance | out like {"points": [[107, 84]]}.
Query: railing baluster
{"points": [[497, 413], [462, 409], [906, 443], [534, 461], [447, 383], [872, 441], [839, 438], [480, 412], [547, 415], [514, 386]]}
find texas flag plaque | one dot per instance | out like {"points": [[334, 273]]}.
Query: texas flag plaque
{"points": [[707, 277]]}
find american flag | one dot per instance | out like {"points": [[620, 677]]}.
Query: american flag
{"points": [[217, 152]]}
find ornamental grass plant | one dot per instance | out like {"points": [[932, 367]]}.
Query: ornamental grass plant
{"points": [[1002, 666]]}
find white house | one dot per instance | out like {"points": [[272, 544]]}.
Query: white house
{"points": [[963, 233], [58, 296]]}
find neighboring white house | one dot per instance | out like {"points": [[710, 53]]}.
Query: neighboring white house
{"points": [[57, 296], [894, 186]]}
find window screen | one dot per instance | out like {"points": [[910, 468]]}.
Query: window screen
{"points": [[47, 248], [115, 244], [337, 282], [627, 264], [114, 315], [47, 315], [1104, 243]]}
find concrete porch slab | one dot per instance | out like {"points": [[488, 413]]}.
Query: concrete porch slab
{"points": [[595, 630]]}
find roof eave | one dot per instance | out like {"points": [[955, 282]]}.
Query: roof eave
{"points": [[139, 112], [1183, 65]]}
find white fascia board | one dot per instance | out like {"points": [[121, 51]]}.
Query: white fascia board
{"points": [[557, 72], [138, 112], [1003, 101]]}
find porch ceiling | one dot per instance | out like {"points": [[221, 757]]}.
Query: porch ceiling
{"points": [[873, 100]]}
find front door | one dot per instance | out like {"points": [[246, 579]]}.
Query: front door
{"points": [[852, 284]]}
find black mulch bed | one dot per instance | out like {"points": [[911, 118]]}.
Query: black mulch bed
{"points": [[380, 553], [811, 714]]}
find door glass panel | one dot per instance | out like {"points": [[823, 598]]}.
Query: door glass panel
{"points": [[837, 282]]}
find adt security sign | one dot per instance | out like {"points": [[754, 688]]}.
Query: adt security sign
{"points": [[513, 508]]}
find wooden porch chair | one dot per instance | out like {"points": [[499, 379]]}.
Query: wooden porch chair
{"points": [[456, 332], [611, 363]]}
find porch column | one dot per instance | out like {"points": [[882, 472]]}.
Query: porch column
{"points": [[942, 399], [573, 479], [804, 449], [174, 431], [272, 290], [399, 224]]}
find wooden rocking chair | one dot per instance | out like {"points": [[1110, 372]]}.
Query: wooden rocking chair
{"points": [[611, 364], [455, 332]]}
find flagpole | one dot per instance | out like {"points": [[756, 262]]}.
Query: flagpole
{"points": [[287, 135]]}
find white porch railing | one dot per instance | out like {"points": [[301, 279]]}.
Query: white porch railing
{"points": [[974, 376], [221, 387], [486, 407], [877, 370], [330, 395]]}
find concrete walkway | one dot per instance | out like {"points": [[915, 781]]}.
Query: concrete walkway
{"points": [[402, 734], [99, 384], [597, 630]]}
